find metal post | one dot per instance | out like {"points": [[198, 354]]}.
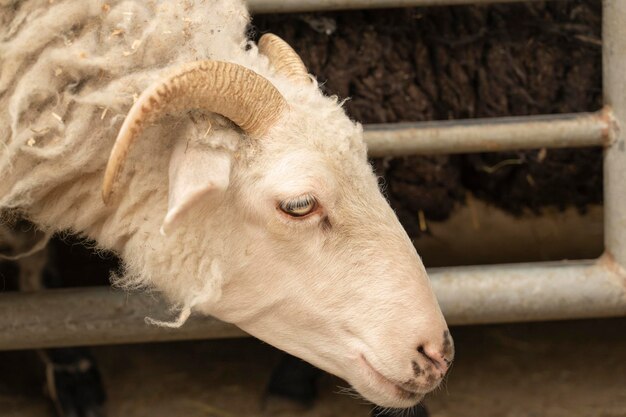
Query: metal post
{"points": [[614, 73]]}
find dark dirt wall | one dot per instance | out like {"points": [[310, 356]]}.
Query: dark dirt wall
{"points": [[463, 62]]}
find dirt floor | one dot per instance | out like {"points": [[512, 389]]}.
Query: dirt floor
{"points": [[559, 369]]}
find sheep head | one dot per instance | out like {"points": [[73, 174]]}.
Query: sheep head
{"points": [[297, 243]]}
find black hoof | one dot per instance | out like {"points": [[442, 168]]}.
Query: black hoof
{"points": [[295, 381], [74, 383]]}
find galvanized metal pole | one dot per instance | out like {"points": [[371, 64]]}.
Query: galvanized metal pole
{"points": [[94, 316], [614, 73], [530, 291], [476, 294], [489, 135], [292, 6]]}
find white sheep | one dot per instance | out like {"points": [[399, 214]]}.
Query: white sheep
{"points": [[270, 217]]}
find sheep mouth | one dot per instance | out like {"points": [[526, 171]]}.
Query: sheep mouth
{"points": [[399, 390]]}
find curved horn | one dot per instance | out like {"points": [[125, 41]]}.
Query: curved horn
{"points": [[241, 95], [283, 58]]}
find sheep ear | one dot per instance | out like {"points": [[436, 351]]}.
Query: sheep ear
{"points": [[197, 174]]}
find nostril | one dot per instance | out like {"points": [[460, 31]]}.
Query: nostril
{"points": [[422, 352], [438, 364]]}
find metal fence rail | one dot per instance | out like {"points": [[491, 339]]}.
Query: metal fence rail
{"points": [[292, 6], [468, 295], [490, 135], [476, 294]]}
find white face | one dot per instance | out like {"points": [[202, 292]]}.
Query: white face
{"points": [[322, 269], [282, 230]]}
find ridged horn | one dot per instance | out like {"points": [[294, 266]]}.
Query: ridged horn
{"points": [[233, 91], [283, 58]]}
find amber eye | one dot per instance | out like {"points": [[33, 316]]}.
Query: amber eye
{"points": [[299, 206]]}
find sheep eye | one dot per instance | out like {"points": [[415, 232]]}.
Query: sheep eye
{"points": [[299, 207]]}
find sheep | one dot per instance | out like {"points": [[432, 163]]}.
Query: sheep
{"points": [[233, 186]]}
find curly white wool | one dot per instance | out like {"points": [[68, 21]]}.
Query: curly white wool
{"points": [[69, 70]]}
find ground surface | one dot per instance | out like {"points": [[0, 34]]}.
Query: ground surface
{"points": [[565, 369]]}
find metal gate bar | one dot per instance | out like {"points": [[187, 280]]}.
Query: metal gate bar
{"points": [[293, 6], [490, 135], [476, 294], [468, 295]]}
